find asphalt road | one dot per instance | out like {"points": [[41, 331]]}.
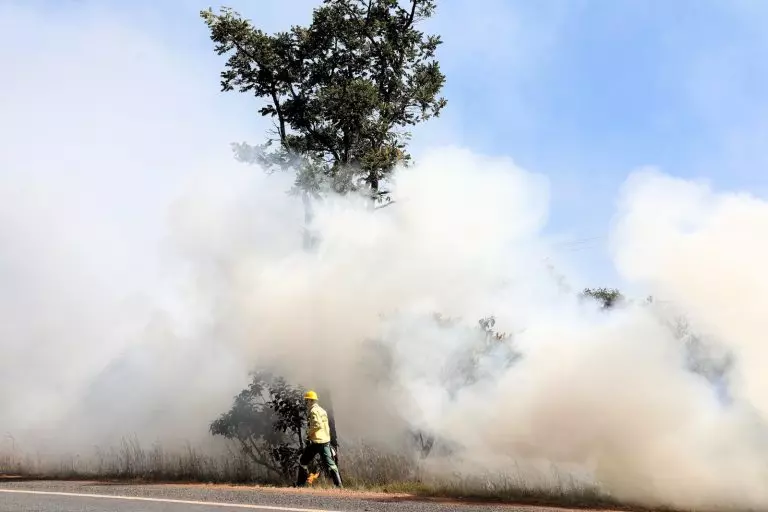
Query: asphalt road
{"points": [[39, 496]]}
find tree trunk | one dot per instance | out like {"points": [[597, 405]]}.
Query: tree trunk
{"points": [[308, 245], [308, 242], [373, 182], [328, 406]]}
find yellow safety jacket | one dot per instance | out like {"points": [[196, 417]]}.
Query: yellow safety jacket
{"points": [[319, 429]]}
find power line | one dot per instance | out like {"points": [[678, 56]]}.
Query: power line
{"points": [[579, 244]]}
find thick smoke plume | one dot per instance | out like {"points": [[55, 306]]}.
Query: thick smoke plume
{"points": [[144, 273]]}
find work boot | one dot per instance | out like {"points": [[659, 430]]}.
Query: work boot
{"points": [[303, 475], [336, 478]]}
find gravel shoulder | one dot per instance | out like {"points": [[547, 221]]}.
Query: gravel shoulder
{"points": [[332, 500]]}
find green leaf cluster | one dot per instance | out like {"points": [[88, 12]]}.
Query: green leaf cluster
{"points": [[342, 92]]}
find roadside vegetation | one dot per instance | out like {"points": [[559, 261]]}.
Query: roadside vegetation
{"points": [[366, 469]]}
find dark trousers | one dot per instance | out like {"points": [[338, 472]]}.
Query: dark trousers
{"points": [[311, 451]]}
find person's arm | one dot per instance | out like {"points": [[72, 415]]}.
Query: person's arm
{"points": [[315, 424]]}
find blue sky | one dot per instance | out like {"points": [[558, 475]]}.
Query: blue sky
{"points": [[583, 91]]}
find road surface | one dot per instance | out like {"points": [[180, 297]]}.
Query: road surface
{"points": [[43, 496]]}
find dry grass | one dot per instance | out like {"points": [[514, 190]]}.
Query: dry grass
{"points": [[364, 468], [131, 461], [503, 490], [367, 467], [395, 475]]}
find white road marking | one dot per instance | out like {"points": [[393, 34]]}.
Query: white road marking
{"points": [[164, 500]]}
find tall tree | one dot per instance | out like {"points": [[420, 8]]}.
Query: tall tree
{"points": [[342, 91]]}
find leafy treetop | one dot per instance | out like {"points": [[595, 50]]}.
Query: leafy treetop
{"points": [[341, 91], [608, 297]]}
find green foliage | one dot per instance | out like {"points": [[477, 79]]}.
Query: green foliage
{"points": [[341, 91], [608, 297], [487, 325], [487, 353], [491, 353], [267, 420], [705, 354]]}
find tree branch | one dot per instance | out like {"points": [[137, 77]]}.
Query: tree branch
{"points": [[280, 117], [273, 92], [322, 140], [257, 457], [412, 14]]}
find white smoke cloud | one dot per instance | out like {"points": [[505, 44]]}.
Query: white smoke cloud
{"points": [[101, 125], [144, 273], [610, 391]]}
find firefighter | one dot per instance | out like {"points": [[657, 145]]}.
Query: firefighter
{"points": [[318, 442]]}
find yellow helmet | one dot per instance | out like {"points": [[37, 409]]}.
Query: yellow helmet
{"points": [[310, 395]]}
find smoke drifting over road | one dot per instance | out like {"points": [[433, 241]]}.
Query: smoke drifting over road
{"points": [[144, 272]]}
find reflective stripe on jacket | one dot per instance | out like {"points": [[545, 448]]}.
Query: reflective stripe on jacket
{"points": [[319, 429]]}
